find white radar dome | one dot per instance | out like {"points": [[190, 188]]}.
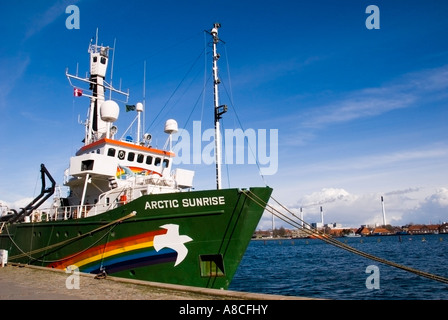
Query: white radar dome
{"points": [[139, 107], [171, 126], [109, 111]]}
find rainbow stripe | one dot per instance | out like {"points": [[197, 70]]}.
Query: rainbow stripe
{"points": [[118, 255], [123, 171]]}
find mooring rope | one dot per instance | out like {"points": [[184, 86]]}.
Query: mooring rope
{"points": [[30, 253], [326, 238]]}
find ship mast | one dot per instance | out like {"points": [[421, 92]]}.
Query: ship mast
{"points": [[97, 127], [219, 110]]}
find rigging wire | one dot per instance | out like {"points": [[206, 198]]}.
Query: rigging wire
{"points": [[205, 75], [326, 238], [205, 83], [185, 91], [175, 90], [227, 165], [249, 146], [162, 51], [196, 103]]}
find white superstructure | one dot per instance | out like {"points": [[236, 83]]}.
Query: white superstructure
{"points": [[108, 172]]}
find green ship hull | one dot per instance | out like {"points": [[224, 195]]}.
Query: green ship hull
{"points": [[194, 238], [127, 213]]}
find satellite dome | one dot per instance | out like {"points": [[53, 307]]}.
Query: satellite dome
{"points": [[139, 107], [171, 126], [109, 111]]}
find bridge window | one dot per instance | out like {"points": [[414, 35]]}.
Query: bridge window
{"points": [[111, 152], [148, 160], [87, 165], [157, 162], [166, 162], [131, 156], [140, 158]]}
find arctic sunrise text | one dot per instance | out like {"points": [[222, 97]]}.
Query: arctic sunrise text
{"points": [[185, 203]]}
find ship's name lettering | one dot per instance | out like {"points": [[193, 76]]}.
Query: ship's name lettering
{"points": [[185, 203]]}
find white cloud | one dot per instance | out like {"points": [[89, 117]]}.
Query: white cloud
{"points": [[440, 198], [382, 160], [375, 171], [361, 105], [48, 16], [433, 209], [404, 92], [411, 205], [325, 196], [16, 205], [11, 70]]}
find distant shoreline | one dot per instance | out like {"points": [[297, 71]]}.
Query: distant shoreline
{"points": [[362, 236]]}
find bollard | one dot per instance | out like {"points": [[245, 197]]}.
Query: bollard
{"points": [[3, 257]]}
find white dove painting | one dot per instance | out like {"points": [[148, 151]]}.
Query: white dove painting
{"points": [[171, 239]]}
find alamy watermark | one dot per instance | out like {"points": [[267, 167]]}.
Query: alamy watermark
{"points": [[73, 20], [238, 147], [373, 20], [73, 280], [373, 280]]}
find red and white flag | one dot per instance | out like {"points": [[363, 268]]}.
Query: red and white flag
{"points": [[77, 92]]}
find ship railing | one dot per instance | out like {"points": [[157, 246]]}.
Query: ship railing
{"points": [[71, 212], [88, 210], [103, 207], [155, 180], [57, 213]]}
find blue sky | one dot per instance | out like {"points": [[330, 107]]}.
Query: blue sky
{"points": [[360, 113]]}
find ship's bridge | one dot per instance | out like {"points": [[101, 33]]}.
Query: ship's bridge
{"points": [[120, 158]]}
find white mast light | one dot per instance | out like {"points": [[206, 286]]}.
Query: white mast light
{"points": [[139, 108], [170, 128]]}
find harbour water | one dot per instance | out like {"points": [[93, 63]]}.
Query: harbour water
{"points": [[313, 268]]}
